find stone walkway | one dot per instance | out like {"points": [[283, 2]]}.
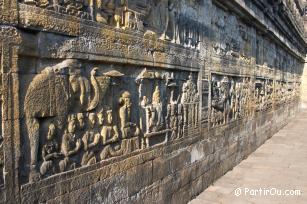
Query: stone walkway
{"points": [[278, 165]]}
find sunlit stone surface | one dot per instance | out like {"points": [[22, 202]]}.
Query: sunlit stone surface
{"points": [[140, 101]]}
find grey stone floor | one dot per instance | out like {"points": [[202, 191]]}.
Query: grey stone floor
{"points": [[269, 174]]}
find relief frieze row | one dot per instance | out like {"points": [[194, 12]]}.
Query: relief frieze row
{"points": [[76, 117], [235, 97], [164, 18]]}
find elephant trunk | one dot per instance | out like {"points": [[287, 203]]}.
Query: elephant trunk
{"points": [[94, 102]]}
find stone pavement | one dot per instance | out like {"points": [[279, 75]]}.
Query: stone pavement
{"points": [[278, 165]]}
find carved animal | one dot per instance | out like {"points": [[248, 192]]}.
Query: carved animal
{"points": [[53, 93]]}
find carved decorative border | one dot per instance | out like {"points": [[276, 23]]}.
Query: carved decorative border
{"points": [[9, 42], [8, 12]]}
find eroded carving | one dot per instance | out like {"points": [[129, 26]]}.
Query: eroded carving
{"points": [[90, 141], [50, 152], [84, 116], [128, 128], [231, 98], [165, 19], [56, 92], [263, 94], [70, 146]]}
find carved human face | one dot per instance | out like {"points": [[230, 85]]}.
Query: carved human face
{"points": [[51, 131], [126, 98], [109, 118], [71, 126], [81, 120], [127, 101], [92, 119], [145, 99], [100, 118]]}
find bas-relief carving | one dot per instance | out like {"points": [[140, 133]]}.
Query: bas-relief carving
{"points": [[231, 98], [163, 18], [285, 92], [56, 92], [167, 20], [166, 109], [232, 38], [70, 116], [263, 94], [235, 97]]}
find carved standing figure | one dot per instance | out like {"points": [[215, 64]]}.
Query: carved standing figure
{"points": [[168, 19], [145, 115], [156, 111], [128, 129], [189, 99], [221, 97], [180, 120]]}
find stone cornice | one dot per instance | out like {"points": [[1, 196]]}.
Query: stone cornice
{"points": [[264, 25]]}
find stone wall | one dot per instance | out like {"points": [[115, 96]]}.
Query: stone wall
{"points": [[304, 88], [140, 101]]}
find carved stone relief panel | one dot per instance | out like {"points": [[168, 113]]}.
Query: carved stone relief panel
{"points": [[228, 39], [205, 100], [164, 19], [281, 93], [167, 106], [263, 94], [231, 98], [77, 114]]}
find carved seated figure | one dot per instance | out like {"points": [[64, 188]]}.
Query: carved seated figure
{"points": [[103, 13], [73, 6], [109, 11], [49, 152], [109, 132], [70, 146], [128, 128], [90, 141], [110, 136]]}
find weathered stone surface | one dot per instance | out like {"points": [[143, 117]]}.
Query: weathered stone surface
{"points": [[279, 163], [140, 101]]}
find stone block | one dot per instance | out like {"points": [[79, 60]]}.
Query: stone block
{"points": [[139, 177]]}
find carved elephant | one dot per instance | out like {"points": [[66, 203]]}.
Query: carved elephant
{"points": [[56, 92]]}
